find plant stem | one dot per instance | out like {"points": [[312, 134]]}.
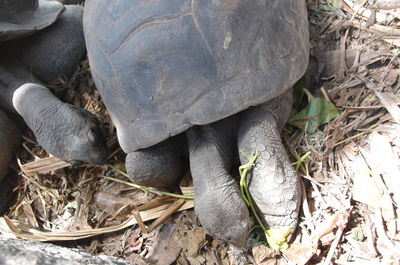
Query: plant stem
{"points": [[243, 169], [144, 188]]}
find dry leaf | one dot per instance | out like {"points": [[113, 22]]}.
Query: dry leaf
{"points": [[18, 230], [302, 253], [262, 253], [43, 166], [110, 203]]}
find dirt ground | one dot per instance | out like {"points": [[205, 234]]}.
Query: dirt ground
{"points": [[349, 167]]}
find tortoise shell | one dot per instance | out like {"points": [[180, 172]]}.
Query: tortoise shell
{"points": [[164, 66]]}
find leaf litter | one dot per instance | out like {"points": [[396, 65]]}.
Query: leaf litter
{"points": [[349, 164]]}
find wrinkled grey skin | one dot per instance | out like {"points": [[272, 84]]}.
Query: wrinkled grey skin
{"points": [[218, 205], [272, 182], [169, 155], [163, 67], [65, 131], [214, 158]]}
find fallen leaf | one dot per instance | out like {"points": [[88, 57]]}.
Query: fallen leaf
{"points": [[196, 242], [366, 189], [318, 111], [43, 166], [20, 230], [337, 220], [166, 248], [301, 253], [262, 253], [111, 203]]}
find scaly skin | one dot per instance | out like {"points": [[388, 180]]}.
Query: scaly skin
{"points": [[217, 198], [273, 183], [213, 152]]}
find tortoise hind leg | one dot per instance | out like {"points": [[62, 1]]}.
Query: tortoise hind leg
{"points": [[158, 166], [218, 203], [273, 183]]}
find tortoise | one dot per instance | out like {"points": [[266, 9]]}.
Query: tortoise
{"points": [[205, 79], [39, 41]]}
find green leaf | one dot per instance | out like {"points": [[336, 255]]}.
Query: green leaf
{"points": [[298, 93], [318, 111], [358, 234]]}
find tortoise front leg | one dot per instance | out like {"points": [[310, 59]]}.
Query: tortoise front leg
{"points": [[273, 183], [65, 131], [68, 132]]}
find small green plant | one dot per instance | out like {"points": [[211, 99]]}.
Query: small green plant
{"points": [[317, 112], [276, 238], [301, 160]]}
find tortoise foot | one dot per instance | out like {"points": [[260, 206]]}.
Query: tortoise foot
{"points": [[273, 183], [68, 132], [159, 166]]}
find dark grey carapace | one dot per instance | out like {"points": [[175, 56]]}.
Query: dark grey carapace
{"points": [[164, 66]]}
